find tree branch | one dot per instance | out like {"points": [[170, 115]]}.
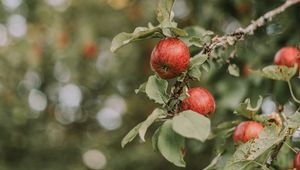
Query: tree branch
{"points": [[229, 39], [267, 17]]}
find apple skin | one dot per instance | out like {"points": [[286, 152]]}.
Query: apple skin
{"points": [[297, 161], [246, 131], [170, 58], [287, 56], [200, 100]]}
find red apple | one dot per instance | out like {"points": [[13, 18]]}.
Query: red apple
{"points": [[200, 100], [297, 161], [246, 131], [287, 56], [170, 58]]}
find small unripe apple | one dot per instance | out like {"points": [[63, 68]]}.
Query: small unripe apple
{"points": [[297, 161], [287, 56], [200, 100], [246, 131], [170, 58]]}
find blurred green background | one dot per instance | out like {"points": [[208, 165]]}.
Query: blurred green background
{"points": [[66, 101]]}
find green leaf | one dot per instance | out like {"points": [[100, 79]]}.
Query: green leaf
{"points": [[197, 36], [155, 139], [198, 31], [142, 88], [149, 121], [131, 135], [197, 60], [171, 145], [213, 162], [164, 13], [250, 151], [195, 72], [245, 108], [293, 120], [190, 124], [233, 70], [205, 67], [156, 89], [278, 72], [184, 93], [139, 33], [178, 32]]}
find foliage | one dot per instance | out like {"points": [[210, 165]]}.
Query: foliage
{"points": [[66, 100]]}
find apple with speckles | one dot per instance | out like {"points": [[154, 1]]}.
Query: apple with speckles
{"points": [[246, 131], [287, 56], [200, 100], [170, 58]]}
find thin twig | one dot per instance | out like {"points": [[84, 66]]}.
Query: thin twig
{"points": [[268, 17], [290, 147], [292, 92]]}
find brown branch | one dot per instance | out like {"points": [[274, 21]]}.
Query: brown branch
{"points": [[239, 34], [229, 39], [268, 17]]}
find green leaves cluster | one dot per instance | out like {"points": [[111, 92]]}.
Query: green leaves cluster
{"points": [[166, 28], [169, 138], [173, 127]]}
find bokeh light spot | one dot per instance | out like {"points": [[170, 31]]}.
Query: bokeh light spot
{"points": [[94, 159]]}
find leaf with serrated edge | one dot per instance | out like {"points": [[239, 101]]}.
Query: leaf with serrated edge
{"points": [[191, 125], [171, 145], [139, 33], [197, 60], [131, 135], [278, 72], [156, 89], [250, 151], [148, 122]]}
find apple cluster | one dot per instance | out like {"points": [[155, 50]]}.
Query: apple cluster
{"points": [[245, 131], [169, 59]]}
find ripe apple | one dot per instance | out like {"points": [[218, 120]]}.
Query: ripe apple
{"points": [[170, 58], [297, 161], [200, 100], [246, 131], [287, 56]]}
